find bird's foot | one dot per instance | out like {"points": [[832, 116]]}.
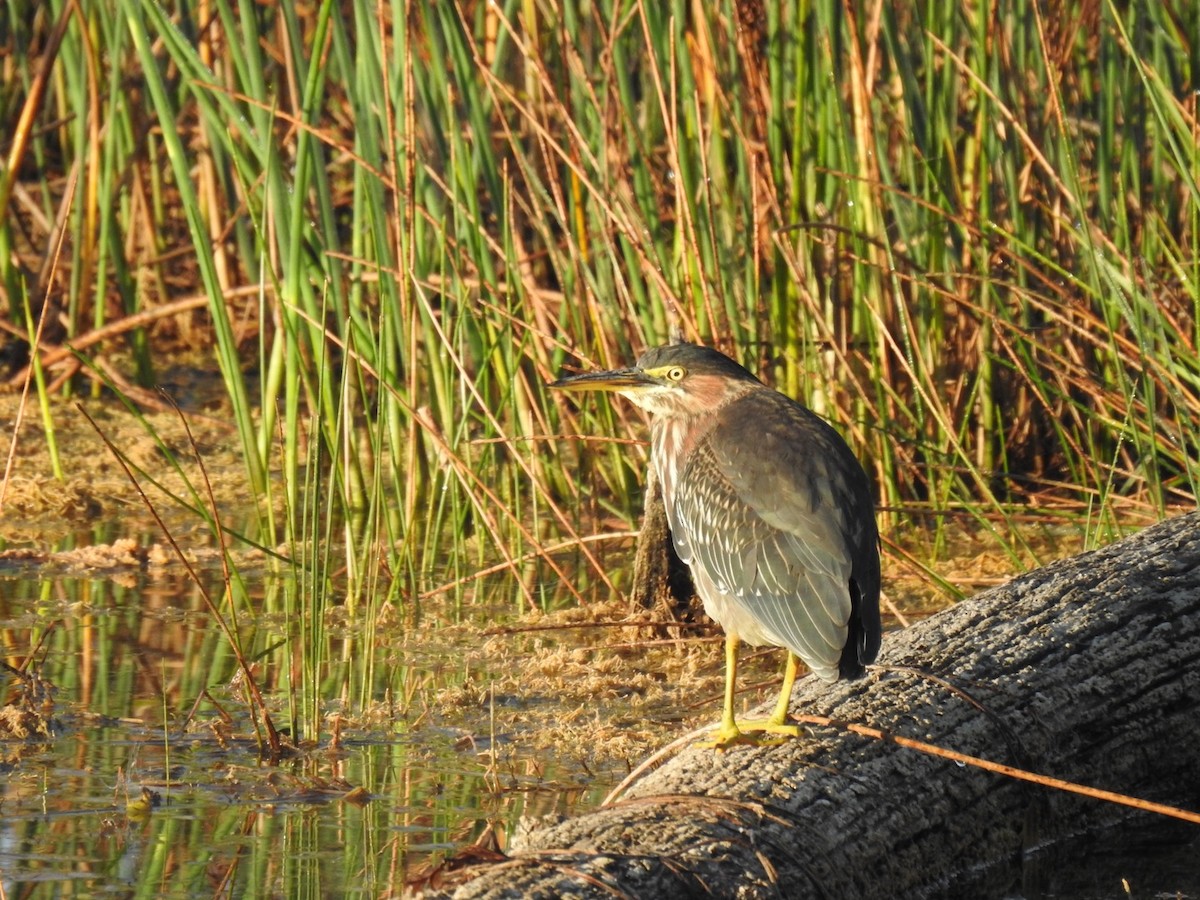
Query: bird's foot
{"points": [[753, 733]]}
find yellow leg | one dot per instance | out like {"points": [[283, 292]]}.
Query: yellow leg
{"points": [[729, 734], [780, 715]]}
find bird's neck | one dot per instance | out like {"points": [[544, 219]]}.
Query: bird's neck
{"points": [[672, 440]]}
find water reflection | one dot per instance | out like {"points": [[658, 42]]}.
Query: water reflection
{"points": [[152, 782]]}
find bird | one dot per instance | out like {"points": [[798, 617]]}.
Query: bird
{"points": [[771, 512]]}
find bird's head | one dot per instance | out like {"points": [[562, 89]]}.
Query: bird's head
{"points": [[674, 380]]}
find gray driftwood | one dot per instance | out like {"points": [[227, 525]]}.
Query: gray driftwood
{"points": [[1087, 669]]}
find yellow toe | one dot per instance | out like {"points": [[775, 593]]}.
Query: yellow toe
{"points": [[773, 726], [728, 735], [753, 733]]}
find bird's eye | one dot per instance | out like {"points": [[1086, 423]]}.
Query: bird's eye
{"points": [[676, 373]]}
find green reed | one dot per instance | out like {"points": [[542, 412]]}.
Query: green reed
{"points": [[968, 235]]}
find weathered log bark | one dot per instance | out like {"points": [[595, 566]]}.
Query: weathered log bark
{"points": [[1087, 670], [661, 581]]}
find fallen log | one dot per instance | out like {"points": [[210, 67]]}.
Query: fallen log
{"points": [[1087, 670]]}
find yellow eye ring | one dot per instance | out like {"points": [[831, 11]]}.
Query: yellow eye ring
{"points": [[676, 373]]}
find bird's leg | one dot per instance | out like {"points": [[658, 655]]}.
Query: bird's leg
{"points": [[778, 721], [777, 724], [728, 733]]}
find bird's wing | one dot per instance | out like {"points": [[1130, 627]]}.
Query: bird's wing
{"points": [[771, 505]]}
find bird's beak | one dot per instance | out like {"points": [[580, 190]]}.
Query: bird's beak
{"points": [[613, 380]]}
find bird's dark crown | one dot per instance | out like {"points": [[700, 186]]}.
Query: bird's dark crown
{"points": [[697, 360]]}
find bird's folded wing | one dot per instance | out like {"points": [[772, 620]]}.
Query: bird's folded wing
{"points": [[765, 525]]}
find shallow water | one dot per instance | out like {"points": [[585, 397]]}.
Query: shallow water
{"points": [[71, 819], [151, 782]]}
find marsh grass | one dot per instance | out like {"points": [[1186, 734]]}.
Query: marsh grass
{"points": [[967, 235]]}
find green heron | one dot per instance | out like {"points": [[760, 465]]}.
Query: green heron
{"points": [[770, 511]]}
